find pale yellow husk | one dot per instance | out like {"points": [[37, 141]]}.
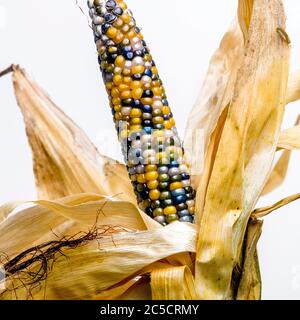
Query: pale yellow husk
{"points": [[247, 147], [290, 139], [65, 161]]}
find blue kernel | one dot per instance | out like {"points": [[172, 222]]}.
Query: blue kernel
{"points": [[183, 213], [178, 192], [185, 176], [147, 109], [118, 11], [148, 94], [111, 4], [148, 130], [189, 219], [110, 18], [129, 55], [137, 104], [174, 164], [148, 73], [180, 199], [144, 195], [105, 27]]}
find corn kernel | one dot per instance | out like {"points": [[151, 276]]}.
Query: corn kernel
{"points": [[152, 175], [170, 210], [154, 194]]}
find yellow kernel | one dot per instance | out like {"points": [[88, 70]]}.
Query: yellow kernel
{"points": [[127, 80], [147, 101], [109, 85], [130, 34], [175, 186], [170, 210], [117, 108], [136, 128], [153, 184], [152, 175], [126, 94], [118, 116], [137, 93], [136, 121], [192, 210], [136, 84], [157, 91], [123, 134], [172, 121], [118, 79], [126, 17], [119, 37], [127, 72], [138, 69], [123, 87], [155, 83], [140, 36], [154, 194], [112, 32], [120, 61], [147, 57], [116, 101], [122, 5], [166, 110], [154, 70], [135, 113], [141, 178], [150, 168], [168, 125], [115, 93], [161, 155]]}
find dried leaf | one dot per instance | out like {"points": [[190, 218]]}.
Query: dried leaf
{"points": [[85, 271], [262, 212], [215, 95], [280, 170], [293, 92], [176, 283], [65, 161], [250, 283], [290, 139], [247, 147], [278, 174], [65, 217]]}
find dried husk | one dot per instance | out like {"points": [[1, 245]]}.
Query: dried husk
{"points": [[279, 173], [176, 283], [215, 95], [290, 139], [250, 282], [65, 161], [251, 130], [293, 92], [86, 271], [280, 170], [262, 212]]}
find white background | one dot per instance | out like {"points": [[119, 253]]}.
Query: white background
{"points": [[52, 40]]}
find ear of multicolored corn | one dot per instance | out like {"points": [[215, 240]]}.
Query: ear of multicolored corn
{"points": [[145, 124]]}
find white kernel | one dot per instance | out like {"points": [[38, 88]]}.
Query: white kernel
{"points": [[157, 105]]}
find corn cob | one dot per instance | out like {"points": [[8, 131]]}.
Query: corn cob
{"points": [[150, 143]]}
